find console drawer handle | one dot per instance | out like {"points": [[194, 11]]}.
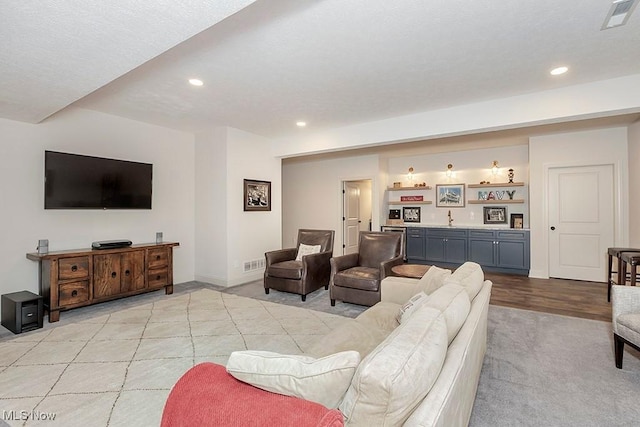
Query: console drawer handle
{"points": [[157, 256], [158, 277], [74, 293], [74, 268], [113, 274], [126, 272]]}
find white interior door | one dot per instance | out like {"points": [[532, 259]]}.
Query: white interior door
{"points": [[581, 215], [351, 217]]}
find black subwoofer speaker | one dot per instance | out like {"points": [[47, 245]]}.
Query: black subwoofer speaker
{"points": [[22, 311]]}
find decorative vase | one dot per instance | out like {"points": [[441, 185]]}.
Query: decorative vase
{"points": [[510, 176]]}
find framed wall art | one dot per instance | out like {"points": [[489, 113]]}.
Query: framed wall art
{"points": [[411, 214], [257, 195], [495, 215], [450, 195], [517, 220]]}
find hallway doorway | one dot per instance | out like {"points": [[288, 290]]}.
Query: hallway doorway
{"points": [[356, 212]]}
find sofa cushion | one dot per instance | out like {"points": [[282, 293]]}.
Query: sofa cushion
{"points": [[470, 276], [364, 278], [432, 280], [358, 336], [396, 376], [286, 270], [453, 301], [630, 320], [322, 380], [381, 316], [307, 250], [405, 311]]}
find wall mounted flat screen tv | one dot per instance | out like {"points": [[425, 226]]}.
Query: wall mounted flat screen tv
{"points": [[74, 181]]}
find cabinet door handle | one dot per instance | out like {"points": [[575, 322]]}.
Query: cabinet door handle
{"points": [[157, 256], [74, 268], [127, 272], [158, 277], [114, 274]]}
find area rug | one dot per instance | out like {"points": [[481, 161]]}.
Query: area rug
{"points": [[117, 369], [549, 370]]}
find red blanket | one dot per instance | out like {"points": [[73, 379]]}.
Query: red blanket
{"points": [[207, 395]]}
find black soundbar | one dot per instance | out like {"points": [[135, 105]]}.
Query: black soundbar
{"points": [[110, 244]]}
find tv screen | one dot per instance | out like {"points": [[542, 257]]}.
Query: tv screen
{"points": [[74, 181]]}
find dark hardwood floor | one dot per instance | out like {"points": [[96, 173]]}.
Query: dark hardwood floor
{"points": [[574, 298]]}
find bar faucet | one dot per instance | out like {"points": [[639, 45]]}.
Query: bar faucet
{"points": [[450, 219]]}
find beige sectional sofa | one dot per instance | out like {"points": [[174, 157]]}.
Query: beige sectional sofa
{"points": [[413, 359]]}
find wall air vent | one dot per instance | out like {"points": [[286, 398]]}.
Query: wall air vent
{"points": [[619, 13], [253, 265]]}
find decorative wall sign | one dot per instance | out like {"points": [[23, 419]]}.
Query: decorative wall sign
{"points": [[257, 195], [450, 195], [411, 198]]}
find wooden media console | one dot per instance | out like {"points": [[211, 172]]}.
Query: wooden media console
{"points": [[77, 278]]}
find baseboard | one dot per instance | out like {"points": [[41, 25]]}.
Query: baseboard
{"points": [[538, 274], [218, 281]]}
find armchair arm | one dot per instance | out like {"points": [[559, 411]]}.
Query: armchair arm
{"points": [[281, 255], [385, 266], [343, 262], [314, 262], [624, 300]]}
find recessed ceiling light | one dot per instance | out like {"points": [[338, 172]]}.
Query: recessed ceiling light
{"points": [[558, 71], [196, 82], [301, 124]]}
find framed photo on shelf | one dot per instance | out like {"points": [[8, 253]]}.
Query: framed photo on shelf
{"points": [[517, 220], [257, 195], [450, 195], [411, 214], [495, 215]]}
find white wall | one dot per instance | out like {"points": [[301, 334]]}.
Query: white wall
{"points": [[250, 234], [469, 167], [312, 194], [591, 100], [227, 236], [211, 256], [597, 147], [634, 179], [23, 219]]}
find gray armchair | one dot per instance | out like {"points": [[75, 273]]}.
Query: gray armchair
{"points": [[625, 308], [283, 273], [356, 278]]}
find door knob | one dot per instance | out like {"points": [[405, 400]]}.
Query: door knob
{"points": [[552, 228]]}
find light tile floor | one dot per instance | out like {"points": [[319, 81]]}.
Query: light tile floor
{"points": [[114, 364]]}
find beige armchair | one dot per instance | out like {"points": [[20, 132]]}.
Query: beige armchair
{"points": [[356, 277], [625, 307], [305, 275]]}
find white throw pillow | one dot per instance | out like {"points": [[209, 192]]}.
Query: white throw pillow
{"points": [[470, 276], [307, 250], [323, 380], [410, 306], [432, 279]]}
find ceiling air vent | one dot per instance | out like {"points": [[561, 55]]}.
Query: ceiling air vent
{"points": [[619, 13]]}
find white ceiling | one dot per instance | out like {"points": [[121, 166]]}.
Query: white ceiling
{"points": [[267, 64]]}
